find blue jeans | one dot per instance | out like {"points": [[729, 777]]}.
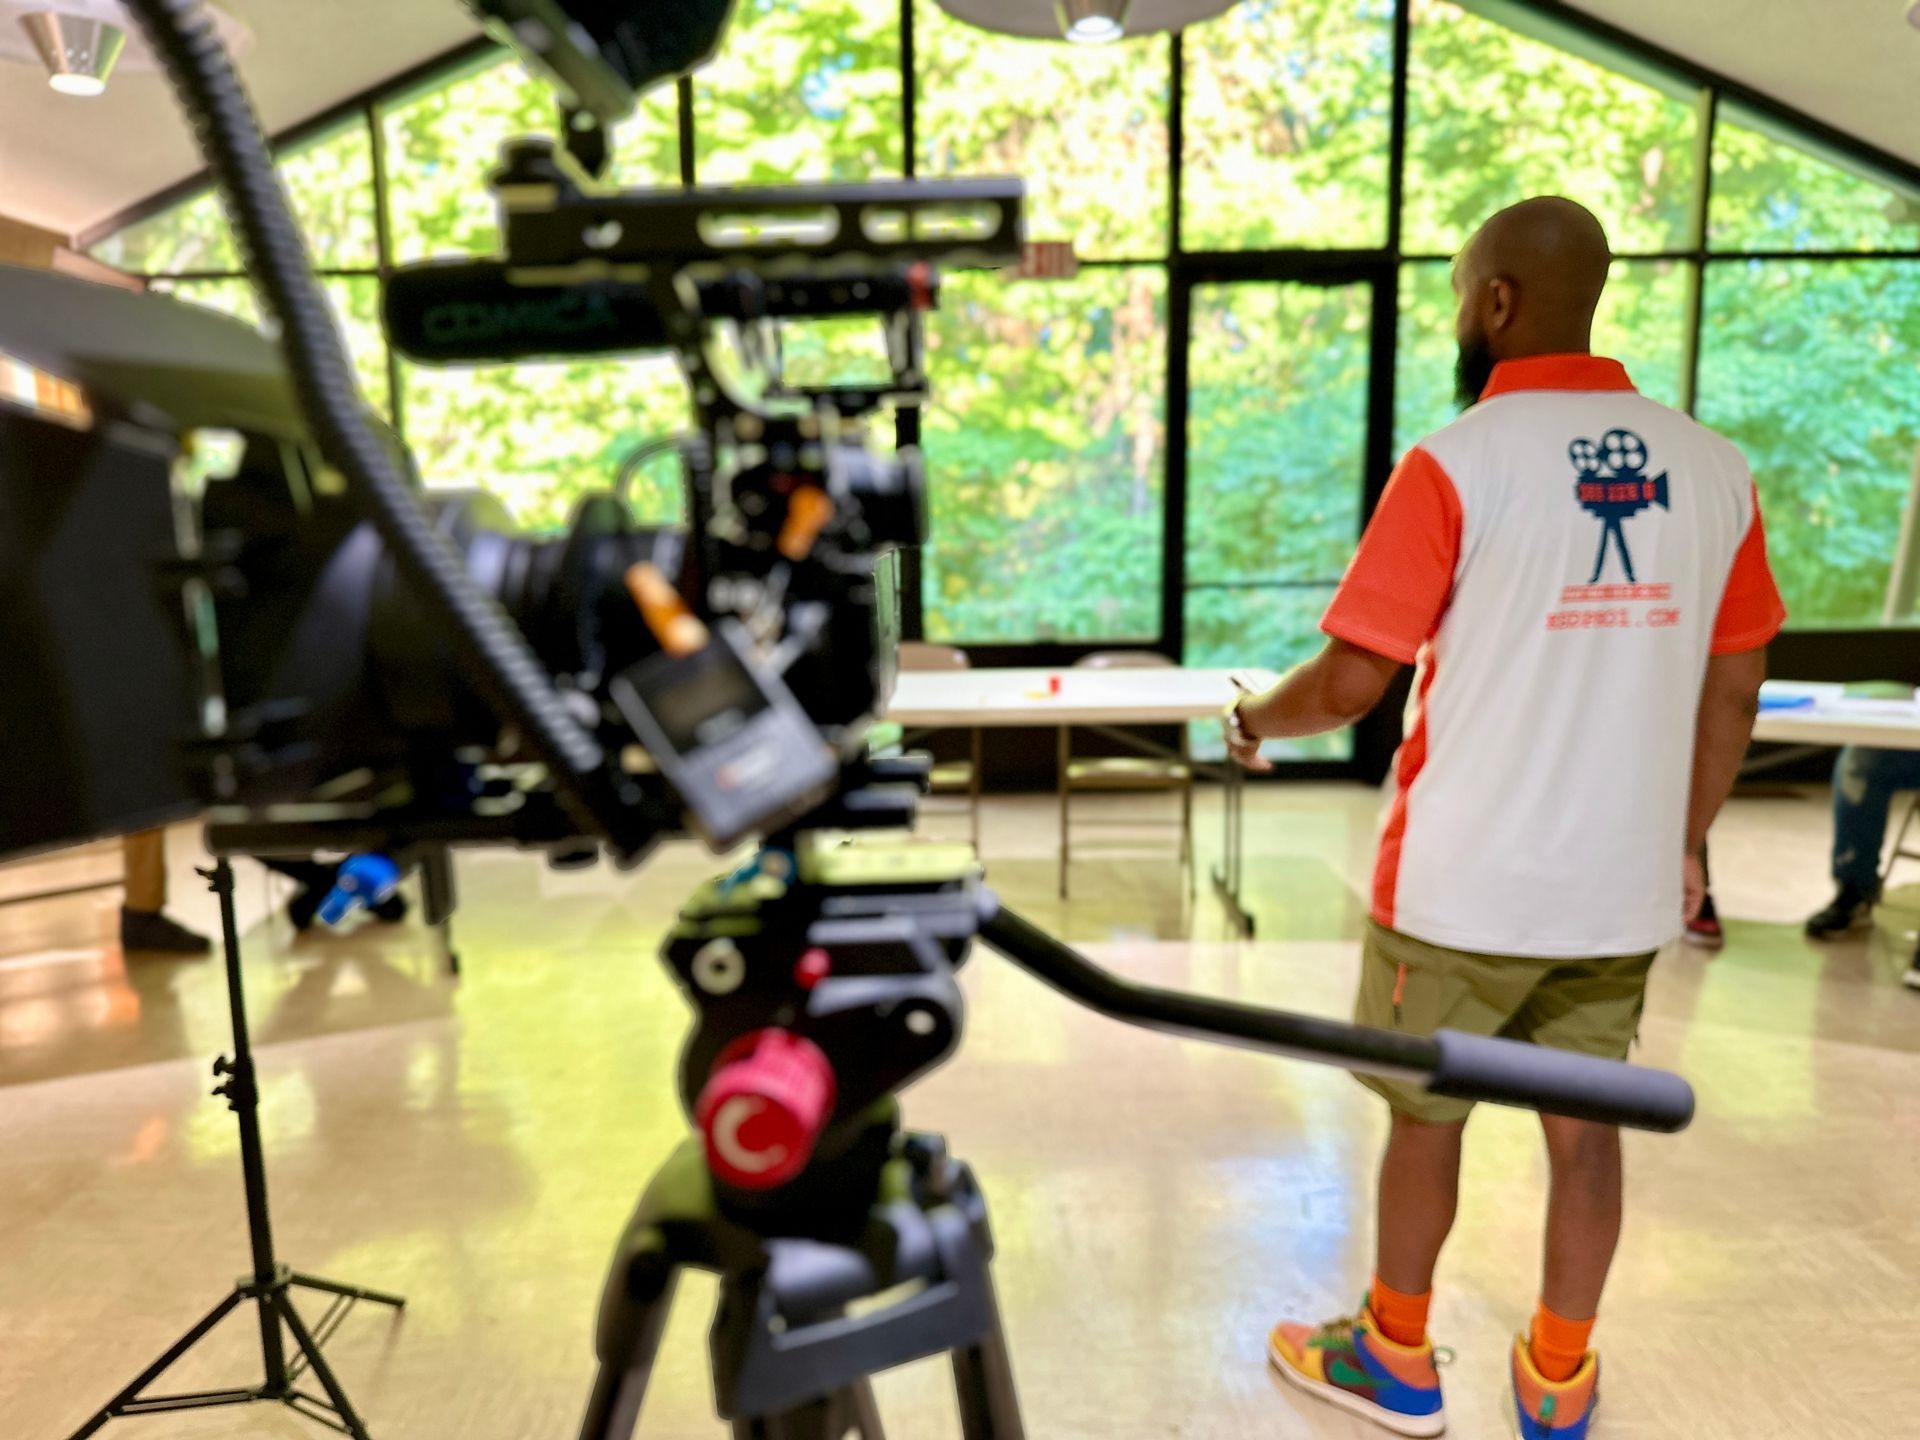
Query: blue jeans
{"points": [[1864, 783]]}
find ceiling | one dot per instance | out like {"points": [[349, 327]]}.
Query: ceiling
{"points": [[1854, 64], [67, 164]]}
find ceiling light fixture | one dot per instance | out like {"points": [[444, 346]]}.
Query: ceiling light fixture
{"points": [[1085, 22], [1092, 22], [80, 44], [78, 50]]}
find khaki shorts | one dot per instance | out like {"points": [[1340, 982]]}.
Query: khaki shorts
{"points": [[1591, 1007]]}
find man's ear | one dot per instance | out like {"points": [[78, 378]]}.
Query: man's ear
{"points": [[1503, 304]]}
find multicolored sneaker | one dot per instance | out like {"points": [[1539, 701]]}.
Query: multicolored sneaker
{"points": [[1349, 1363], [1544, 1410]]}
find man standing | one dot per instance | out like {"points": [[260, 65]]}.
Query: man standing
{"points": [[1581, 576]]}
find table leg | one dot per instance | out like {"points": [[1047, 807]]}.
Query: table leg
{"points": [[1065, 759], [1229, 873]]}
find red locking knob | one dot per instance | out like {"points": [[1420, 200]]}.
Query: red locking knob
{"points": [[763, 1108]]}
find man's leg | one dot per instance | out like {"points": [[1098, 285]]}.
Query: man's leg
{"points": [[1419, 1193], [1865, 781], [145, 858], [1583, 1221], [142, 926]]}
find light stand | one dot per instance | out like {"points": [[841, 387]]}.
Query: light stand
{"points": [[271, 1284]]}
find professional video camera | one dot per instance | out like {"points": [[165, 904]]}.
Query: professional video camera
{"points": [[224, 591]]}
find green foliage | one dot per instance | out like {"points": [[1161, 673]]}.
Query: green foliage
{"points": [[1771, 195], [1814, 370], [803, 89], [1044, 445], [1086, 127], [1494, 117], [1276, 431], [1289, 110], [541, 435]]}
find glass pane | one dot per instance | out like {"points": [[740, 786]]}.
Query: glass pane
{"points": [[1642, 322], [443, 143], [1044, 445], [190, 236], [803, 90], [356, 306], [1085, 126], [1290, 101], [1276, 431], [1494, 117], [1769, 194], [538, 436], [330, 184], [1272, 627], [1813, 369]]}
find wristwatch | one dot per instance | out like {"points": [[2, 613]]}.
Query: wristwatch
{"points": [[1237, 732]]}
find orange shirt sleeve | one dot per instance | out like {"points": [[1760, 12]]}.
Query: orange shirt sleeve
{"points": [[1751, 610], [1396, 589]]}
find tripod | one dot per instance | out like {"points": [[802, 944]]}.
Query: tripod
{"points": [[271, 1284], [806, 1317]]}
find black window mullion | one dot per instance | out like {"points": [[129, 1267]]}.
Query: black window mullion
{"points": [[1702, 220], [683, 90]]}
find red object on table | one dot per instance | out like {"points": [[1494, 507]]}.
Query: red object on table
{"points": [[1053, 684]]}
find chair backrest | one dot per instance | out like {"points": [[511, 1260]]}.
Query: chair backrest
{"points": [[1124, 660], [919, 655]]}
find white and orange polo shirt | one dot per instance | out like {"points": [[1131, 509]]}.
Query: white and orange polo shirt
{"points": [[1559, 562]]}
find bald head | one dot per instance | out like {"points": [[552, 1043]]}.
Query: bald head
{"points": [[1528, 283]]}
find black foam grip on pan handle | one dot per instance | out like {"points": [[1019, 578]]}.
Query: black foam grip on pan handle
{"points": [[1507, 1072]]}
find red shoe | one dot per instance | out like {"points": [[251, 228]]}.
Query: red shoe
{"points": [[1704, 929]]}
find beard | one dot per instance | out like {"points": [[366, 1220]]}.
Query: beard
{"points": [[1472, 369]]}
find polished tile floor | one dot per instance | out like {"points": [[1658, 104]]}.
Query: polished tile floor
{"points": [[476, 1145]]}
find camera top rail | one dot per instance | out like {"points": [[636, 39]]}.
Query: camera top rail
{"points": [[551, 215]]}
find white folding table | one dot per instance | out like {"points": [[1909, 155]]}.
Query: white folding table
{"points": [[1101, 700], [1832, 717]]}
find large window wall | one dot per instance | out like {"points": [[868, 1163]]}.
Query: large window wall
{"points": [[1178, 447]]}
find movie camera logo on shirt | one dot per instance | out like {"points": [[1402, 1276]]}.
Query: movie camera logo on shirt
{"points": [[1611, 484]]}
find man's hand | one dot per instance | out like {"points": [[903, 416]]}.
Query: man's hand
{"points": [[1242, 745], [1334, 689], [1693, 880]]}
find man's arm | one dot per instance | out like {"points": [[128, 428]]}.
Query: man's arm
{"points": [[1729, 701], [1329, 692]]}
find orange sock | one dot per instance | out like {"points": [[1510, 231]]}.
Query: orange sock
{"points": [[1403, 1318], [1558, 1345]]}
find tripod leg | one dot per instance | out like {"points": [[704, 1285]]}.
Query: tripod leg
{"points": [[303, 1339], [620, 1385], [983, 1379], [865, 1411], [352, 1292], [147, 1376]]}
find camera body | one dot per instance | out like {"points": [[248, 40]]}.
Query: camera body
{"points": [[235, 636]]}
